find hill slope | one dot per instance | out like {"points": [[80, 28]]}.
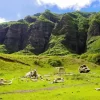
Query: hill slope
{"points": [[52, 34]]}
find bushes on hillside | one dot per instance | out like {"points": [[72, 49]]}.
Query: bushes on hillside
{"points": [[55, 63]]}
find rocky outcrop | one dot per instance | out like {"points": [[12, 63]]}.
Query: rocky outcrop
{"points": [[74, 36], [63, 25], [93, 41], [50, 16], [82, 39], [30, 19], [16, 37], [68, 28], [94, 29], [39, 35], [3, 32], [83, 26]]}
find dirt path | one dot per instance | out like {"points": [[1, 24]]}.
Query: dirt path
{"points": [[42, 89]]}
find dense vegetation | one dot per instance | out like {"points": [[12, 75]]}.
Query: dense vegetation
{"points": [[45, 41], [73, 32], [48, 33]]}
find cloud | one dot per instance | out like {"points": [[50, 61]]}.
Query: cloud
{"points": [[67, 4], [2, 20]]}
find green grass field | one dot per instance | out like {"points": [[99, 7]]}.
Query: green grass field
{"points": [[76, 86]]}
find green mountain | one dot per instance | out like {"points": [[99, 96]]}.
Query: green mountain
{"points": [[52, 34]]}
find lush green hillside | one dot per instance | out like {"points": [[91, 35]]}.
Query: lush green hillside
{"points": [[48, 33], [52, 34], [46, 41]]}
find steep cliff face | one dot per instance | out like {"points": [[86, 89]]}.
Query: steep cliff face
{"points": [[93, 43], [3, 32], [94, 29], [31, 33], [83, 25], [39, 35], [70, 30], [54, 34], [82, 39], [16, 36], [74, 38]]}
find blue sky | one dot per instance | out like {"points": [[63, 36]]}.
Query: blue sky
{"points": [[17, 9]]}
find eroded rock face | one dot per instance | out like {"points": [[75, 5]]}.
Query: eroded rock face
{"points": [[68, 28], [94, 29], [16, 36], [74, 40], [69, 32], [3, 32], [39, 35]]}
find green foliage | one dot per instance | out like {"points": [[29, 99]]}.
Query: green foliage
{"points": [[14, 23], [30, 19], [94, 22], [18, 23], [65, 25], [82, 14], [92, 57], [69, 34], [41, 17], [93, 45], [96, 59], [82, 20], [49, 16], [2, 25], [83, 25], [55, 63], [3, 49], [37, 14], [56, 47], [71, 25], [36, 62], [95, 18], [28, 50], [29, 47]]}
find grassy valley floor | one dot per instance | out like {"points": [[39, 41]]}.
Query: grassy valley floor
{"points": [[76, 86]]}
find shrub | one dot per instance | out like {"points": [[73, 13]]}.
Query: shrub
{"points": [[96, 59], [30, 19], [55, 63], [36, 62]]}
